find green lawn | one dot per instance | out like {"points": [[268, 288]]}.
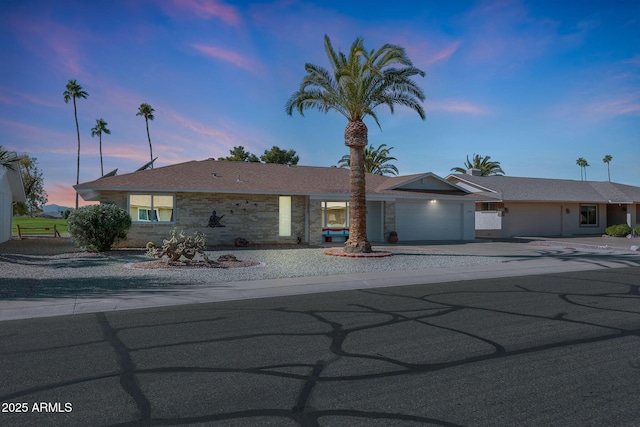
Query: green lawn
{"points": [[40, 223]]}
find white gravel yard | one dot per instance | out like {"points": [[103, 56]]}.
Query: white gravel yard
{"points": [[24, 275]]}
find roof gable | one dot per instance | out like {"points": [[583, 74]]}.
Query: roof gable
{"points": [[421, 183]]}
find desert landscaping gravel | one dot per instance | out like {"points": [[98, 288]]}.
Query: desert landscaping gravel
{"points": [[47, 273]]}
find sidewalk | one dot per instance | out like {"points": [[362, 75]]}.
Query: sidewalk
{"points": [[538, 256]]}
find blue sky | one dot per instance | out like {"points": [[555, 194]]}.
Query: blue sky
{"points": [[533, 84]]}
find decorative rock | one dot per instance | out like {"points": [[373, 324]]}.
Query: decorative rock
{"points": [[635, 248]]}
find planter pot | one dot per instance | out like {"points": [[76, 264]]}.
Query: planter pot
{"points": [[393, 239]]}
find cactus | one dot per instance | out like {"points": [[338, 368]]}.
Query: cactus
{"points": [[180, 245]]}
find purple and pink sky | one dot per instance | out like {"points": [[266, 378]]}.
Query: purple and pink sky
{"points": [[533, 84]]}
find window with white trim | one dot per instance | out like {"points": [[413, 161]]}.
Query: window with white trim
{"points": [[335, 214], [158, 208]]}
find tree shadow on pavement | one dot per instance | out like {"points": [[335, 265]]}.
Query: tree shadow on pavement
{"points": [[15, 288]]}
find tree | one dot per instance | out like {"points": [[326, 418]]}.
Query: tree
{"points": [[583, 167], [375, 161], [99, 129], [484, 164], [355, 86], [278, 155], [8, 159], [239, 155], [146, 111], [73, 91], [607, 159], [33, 187]]}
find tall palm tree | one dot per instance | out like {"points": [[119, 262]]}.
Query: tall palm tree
{"points": [[607, 159], [99, 129], [583, 167], [484, 164], [147, 111], [375, 160], [73, 91], [354, 87]]}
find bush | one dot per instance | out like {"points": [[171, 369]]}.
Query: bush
{"points": [[620, 230], [637, 230], [96, 228]]}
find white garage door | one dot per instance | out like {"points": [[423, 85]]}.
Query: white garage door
{"points": [[420, 220]]}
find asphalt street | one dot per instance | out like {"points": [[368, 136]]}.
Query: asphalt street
{"points": [[550, 350]]}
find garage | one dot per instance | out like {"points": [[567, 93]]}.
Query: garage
{"points": [[430, 220]]}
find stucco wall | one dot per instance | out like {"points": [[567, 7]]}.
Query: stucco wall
{"points": [[252, 217], [548, 219]]}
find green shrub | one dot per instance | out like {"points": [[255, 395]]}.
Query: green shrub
{"points": [[96, 228], [620, 230], [637, 230]]}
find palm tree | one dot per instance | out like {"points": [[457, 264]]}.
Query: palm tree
{"points": [[374, 160], [99, 129], [583, 167], [354, 87], [73, 91], [484, 164], [608, 159], [147, 111], [8, 159]]}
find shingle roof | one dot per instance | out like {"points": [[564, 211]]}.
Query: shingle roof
{"points": [[554, 190], [253, 178]]}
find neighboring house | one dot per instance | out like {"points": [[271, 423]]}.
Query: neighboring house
{"points": [[11, 191], [548, 207], [273, 203]]}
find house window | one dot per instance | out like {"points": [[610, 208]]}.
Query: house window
{"points": [[151, 207], [589, 215], [335, 214], [284, 216]]}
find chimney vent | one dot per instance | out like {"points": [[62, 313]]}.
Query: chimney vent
{"points": [[474, 172]]}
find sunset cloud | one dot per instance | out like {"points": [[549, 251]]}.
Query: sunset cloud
{"points": [[443, 53], [619, 106], [456, 106], [55, 42], [232, 57], [207, 9]]}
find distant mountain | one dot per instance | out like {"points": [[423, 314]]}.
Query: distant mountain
{"points": [[54, 208]]}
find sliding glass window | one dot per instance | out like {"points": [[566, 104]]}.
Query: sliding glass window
{"points": [[152, 207]]}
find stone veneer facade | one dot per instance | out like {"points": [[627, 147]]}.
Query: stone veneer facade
{"points": [[253, 217]]}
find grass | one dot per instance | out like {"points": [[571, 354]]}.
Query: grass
{"points": [[39, 223]]}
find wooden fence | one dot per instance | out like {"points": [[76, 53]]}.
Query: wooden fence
{"points": [[53, 231]]}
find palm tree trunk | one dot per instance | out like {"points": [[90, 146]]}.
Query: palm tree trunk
{"points": [[75, 113], [356, 139], [149, 138], [608, 172], [101, 168]]}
